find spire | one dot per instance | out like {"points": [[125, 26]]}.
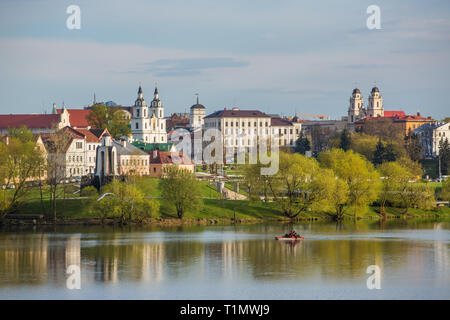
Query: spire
{"points": [[197, 97], [156, 94], [95, 100]]}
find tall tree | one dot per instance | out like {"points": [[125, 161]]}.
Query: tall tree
{"points": [[413, 146], [379, 153], [114, 119], [180, 188], [21, 160], [345, 141], [56, 144], [300, 184], [359, 174], [302, 144], [444, 156]]}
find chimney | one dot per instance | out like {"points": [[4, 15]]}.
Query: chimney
{"points": [[124, 143], [155, 153]]}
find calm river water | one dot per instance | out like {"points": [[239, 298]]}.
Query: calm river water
{"points": [[228, 262]]}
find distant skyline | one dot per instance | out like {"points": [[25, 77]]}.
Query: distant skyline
{"points": [[277, 56]]}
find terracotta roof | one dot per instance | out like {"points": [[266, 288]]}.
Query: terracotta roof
{"points": [[238, 114], [29, 120], [390, 114], [167, 157], [90, 136], [78, 117]]}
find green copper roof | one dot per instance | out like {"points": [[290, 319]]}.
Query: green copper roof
{"points": [[153, 146]]}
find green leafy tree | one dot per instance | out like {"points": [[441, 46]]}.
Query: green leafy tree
{"points": [[302, 144], [21, 161], [395, 179], [126, 203], [299, 184], [114, 119], [445, 192], [180, 188], [359, 174]]}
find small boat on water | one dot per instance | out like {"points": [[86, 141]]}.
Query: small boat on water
{"points": [[289, 238]]}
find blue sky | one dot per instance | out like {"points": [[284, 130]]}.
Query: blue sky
{"points": [[277, 56]]}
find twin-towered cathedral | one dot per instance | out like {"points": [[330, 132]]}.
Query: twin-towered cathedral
{"points": [[148, 123], [357, 110]]}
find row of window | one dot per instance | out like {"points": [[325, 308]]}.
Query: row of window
{"points": [[250, 131], [153, 126], [134, 162], [242, 142], [249, 124], [145, 113]]}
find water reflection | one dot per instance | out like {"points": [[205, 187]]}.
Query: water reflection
{"points": [[411, 253]]}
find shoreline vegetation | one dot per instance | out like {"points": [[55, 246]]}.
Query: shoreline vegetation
{"points": [[213, 211], [337, 184]]}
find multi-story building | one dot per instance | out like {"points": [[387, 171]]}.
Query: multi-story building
{"points": [[243, 127], [78, 156], [431, 134], [148, 123], [239, 127]]}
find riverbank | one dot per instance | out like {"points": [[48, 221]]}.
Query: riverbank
{"points": [[213, 211]]}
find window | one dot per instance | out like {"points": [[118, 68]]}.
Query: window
{"points": [[137, 125], [137, 113], [154, 169], [79, 145], [249, 123], [231, 123]]}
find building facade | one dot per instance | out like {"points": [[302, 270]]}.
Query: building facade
{"points": [[431, 135]]}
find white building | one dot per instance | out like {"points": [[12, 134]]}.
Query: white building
{"points": [[287, 131], [148, 123], [79, 157], [242, 127], [431, 135]]}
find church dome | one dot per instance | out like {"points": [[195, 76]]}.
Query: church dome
{"points": [[356, 90], [375, 89], [197, 105]]}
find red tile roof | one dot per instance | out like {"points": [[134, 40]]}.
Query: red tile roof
{"points": [[30, 120], [167, 157], [78, 117], [391, 114], [90, 136]]}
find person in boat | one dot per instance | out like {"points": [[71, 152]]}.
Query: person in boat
{"points": [[292, 234]]}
